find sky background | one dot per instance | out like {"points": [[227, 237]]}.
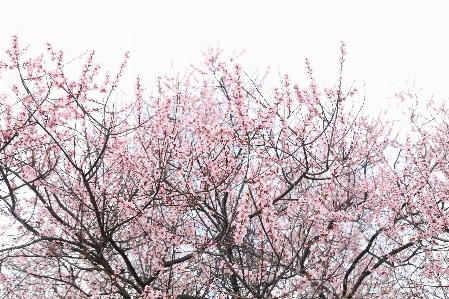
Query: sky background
{"points": [[388, 43]]}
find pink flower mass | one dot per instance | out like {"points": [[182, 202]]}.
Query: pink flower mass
{"points": [[211, 186]]}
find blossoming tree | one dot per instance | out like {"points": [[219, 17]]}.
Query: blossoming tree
{"points": [[211, 187]]}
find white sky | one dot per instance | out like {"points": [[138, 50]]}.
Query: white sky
{"points": [[387, 42]]}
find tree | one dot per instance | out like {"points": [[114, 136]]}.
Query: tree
{"points": [[210, 187]]}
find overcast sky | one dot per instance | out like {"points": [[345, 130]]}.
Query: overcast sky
{"points": [[387, 42]]}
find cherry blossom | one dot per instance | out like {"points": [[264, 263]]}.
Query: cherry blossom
{"points": [[213, 186]]}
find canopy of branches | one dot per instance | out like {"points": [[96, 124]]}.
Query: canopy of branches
{"points": [[213, 187]]}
